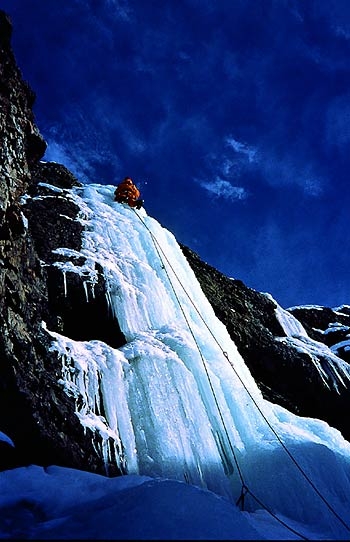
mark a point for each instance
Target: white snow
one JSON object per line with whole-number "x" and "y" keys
{"x": 333, "y": 370}
{"x": 290, "y": 325}
{"x": 307, "y": 307}
{"x": 181, "y": 410}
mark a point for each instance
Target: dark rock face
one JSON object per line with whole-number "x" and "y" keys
{"x": 284, "y": 374}
{"x": 37, "y": 216}
{"x": 52, "y": 224}
{"x": 34, "y": 410}
{"x": 53, "y": 174}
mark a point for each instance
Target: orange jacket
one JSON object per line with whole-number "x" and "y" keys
{"x": 127, "y": 192}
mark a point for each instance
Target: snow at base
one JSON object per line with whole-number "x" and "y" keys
{"x": 178, "y": 402}
{"x": 60, "y": 503}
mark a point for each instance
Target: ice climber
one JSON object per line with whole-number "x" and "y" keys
{"x": 126, "y": 192}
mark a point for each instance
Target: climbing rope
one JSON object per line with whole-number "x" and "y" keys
{"x": 244, "y": 489}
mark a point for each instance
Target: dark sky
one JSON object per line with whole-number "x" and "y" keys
{"x": 232, "y": 117}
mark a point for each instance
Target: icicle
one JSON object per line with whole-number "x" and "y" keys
{"x": 108, "y": 299}
{"x": 65, "y": 283}
{"x": 87, "y": 370}
{"x": 25, "y": 221}
{"x": 86, "y": 291}
{"x": 93, "y": 289}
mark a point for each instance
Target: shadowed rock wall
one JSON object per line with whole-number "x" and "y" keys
{"x": 34, "y": 410}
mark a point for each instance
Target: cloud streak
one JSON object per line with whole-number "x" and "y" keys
{"x": 219, "y": 188}
{"x": 241, "y": 148}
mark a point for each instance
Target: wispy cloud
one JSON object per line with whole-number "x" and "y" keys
{"x": 287, "y": 170}
{"x": 241, "y": 148}
{"x": 122, "y": 8}
{"x": 79, "y": 159}
{"x": 84, "y": 156}
{"x": 229, "y": 164}
{"x": 219, "y": 188}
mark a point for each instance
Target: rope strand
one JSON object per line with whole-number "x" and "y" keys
{"x": 244, "y": 489}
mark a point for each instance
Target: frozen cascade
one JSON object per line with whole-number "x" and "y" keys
{"x": 173, "y": 403}
{"x": 334, "y": 371}
{"x": 291, "y": 326}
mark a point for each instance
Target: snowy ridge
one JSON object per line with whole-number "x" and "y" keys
{"x": 332, "y": 369}
{"x": 170, "y": 403}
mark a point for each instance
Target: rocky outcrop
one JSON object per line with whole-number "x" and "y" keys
{"x": 38, "y": 216}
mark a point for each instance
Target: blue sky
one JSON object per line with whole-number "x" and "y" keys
{"x": 232, "y": 117}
